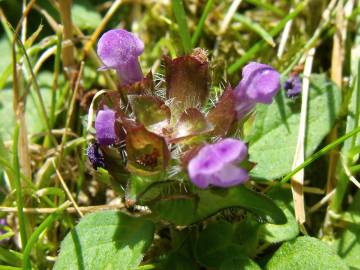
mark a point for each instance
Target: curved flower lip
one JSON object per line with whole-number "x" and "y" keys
{"x": 216, "y": 164}
{"x": 230, "y": 150}
{"x": 119, "y": 49}
{"x": 105, "y": 127}
{"x": 260, "y": 83}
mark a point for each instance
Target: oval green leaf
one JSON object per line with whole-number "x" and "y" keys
{"x": 106, "y": 240}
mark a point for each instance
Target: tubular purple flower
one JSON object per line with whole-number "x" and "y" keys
{"x": 259, "y": 84}
{"x": 119, "y": 50}
{"x": 105, "y": 127}
{"x": 293, "y": 86}
{"x": 217, "y": 164}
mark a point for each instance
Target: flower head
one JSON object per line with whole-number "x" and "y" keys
{"x": 119, "y": 50}
{"x": 260, "y": 83}
{"x": 105, "y": 127}
{"x": 216, "y": 164}
{"x": 293, "y": 86}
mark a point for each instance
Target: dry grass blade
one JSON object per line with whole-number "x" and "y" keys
{"x": 68, "y": 193}
{"x": 297, "y": 181}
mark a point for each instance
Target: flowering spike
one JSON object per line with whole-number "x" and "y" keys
{"x": 293, "y": 86}
{"x": 260, "y": 83}
{"x": 105, "y": 127}
{"x": 119, "y": 50}
{"x": 216, "y": 164}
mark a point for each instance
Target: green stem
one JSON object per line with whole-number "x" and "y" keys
{"x": 321, "y": 152}
{"x": 19, "y": 194}
{"x": 200, "y": 26}
{"x": 261, "y": 44}
{"x": 180, "y": 16}
{"x": 43, "y": 226}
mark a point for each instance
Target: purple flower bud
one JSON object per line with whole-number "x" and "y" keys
{"x": 95, "y": 156}
{"x": 293, "y": 86}
{"x": 216, "y": 164}
{"x": 105, "y": 127}
{"x": 260, "y": 83}
{"x": 119, "y": 49}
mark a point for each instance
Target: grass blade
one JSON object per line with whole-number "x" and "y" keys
{"x": 195, "y": 37}
{"x": 261, "y": 44}
{"x": 320, "y": 153}
{"x": 43, "y": 226}
{"x": 256, "y": 28}
{"x": 180, "y": 16}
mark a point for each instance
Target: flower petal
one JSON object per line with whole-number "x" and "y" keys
{"x": 230, "y": 150}
{"x": 205, "y": 162}
{"x": 105, "y": 127}
{"x": 260, "y": 83}
{"x": 119, "y": 49}
{"x": 229, "y": 175}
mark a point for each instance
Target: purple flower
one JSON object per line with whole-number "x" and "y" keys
{"x": 95, "y": 156}
{"x": 216, "y": 164}
{"x": 105, "y": 127}
{"x": 119, "y": 50}
{"x": 293, "y": 86}
{"x": 260, "y": 83}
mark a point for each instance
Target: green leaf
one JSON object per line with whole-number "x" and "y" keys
{"x": 274, "y": 156}
{"x": 347, "y": 243}
{"x": 272, "y": 233}
{"x": 305, "y": 253}
{"x": 106, "y": 240}
{"x": 185, "y": 209}
{"x": 11, "y": 257}
{"x": 246, "y": 234}
{"x": 217, "y": 247}
{"x": 348, "y": 246}
{"x": 239, "y": 262}
{"x": 176, "y": 261}
{"x": 214, "y": 244}
{"x": 84, "y": 15}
